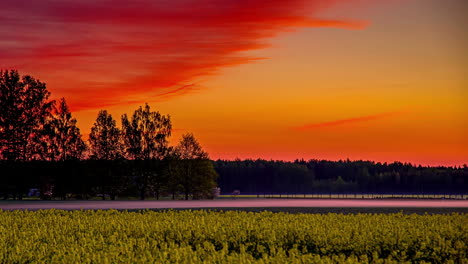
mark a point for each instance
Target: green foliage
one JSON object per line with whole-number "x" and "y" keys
{"x": 55, "y": 236}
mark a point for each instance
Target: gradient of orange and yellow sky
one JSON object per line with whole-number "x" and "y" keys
{"x": 387, "y": 82}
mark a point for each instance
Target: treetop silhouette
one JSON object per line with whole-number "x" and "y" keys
{"x": 145, "y": 135}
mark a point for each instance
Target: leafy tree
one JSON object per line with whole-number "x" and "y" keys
{"x": 156, "y": 180}
{"x": 145, "y": 137}
{"x": 62, "y": 139}
{"x": 204, "y": 179}
{"x": 24, "y": 107}
{"x": 196, "y": 173}
{"x": 146, "y": 134}
{"x": 172, "y": 170}
{"x": 189, "y": 148}
{"x": 71, "y": 144}
{"x": 106, "y": 146}
{"x": 104, "y": 139}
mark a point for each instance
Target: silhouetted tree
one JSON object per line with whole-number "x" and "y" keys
{"x": 157, "y": 179}
{"x": 24, "y": 106}
{"x": 64, "y": 139}
{"x": 189, "y": 148}
{"x": 204, "y": 178}
{"x": 106, "y": 146}
{"x": 104, "y": 139}
{"x": 145, "y": 138}
{"x": 196, "y": 173}
{"x": 172, "y": 170}
{"x": 60, "y": 140}
{"x": 145, "y": 135}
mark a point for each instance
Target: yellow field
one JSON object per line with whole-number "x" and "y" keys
{"x": 55, "y": 236}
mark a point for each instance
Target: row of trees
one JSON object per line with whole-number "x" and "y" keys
{"x": 82, "y": 179}
{"x": 34, "y": 128}
{"x": 320, "y": 176}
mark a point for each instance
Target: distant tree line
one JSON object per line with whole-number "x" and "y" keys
{"x": 322, "y": 177}
{"x": 41, "y": 147}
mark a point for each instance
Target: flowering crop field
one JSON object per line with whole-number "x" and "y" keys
{"x": 56, "y": 236}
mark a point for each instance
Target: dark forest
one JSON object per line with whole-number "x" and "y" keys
{"x": 321, "y": 176}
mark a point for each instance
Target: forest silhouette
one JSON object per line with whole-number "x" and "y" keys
{"x": 41, "y": 148}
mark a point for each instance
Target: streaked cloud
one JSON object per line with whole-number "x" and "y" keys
{"x": 102, "y": 53}
{"x": 347, "y": 121}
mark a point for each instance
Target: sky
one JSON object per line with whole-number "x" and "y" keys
{"x": 382, "y": 80}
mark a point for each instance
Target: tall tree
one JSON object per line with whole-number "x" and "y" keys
{"x": 146, "y": 134}
{"x": 196, "y": 173}
{"x": 62, "y": 139}
{"x": 189, "y": 148}
{"x": 24, "y": 107}
{"x": 67, "y": 134}
{"x": 104, "y": 139}
{"x": 172, "y": 171}
{"x": 106, "y": 145}
{"x": 145, "y": 137}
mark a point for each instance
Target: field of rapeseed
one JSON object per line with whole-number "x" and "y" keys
{"x": 56, "y": 236}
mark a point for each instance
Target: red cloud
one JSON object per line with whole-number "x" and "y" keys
{"x": 348, "y": 121}
{"x": 102, "y": 53}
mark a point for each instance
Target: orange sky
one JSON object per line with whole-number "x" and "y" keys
{"x": 377, "y": 80}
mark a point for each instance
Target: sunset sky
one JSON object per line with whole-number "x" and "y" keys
{"x": 381, "y": 80}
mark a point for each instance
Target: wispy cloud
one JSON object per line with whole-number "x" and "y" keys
{"x": 109, "y": 52}
{"x": 347, "y": 121}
